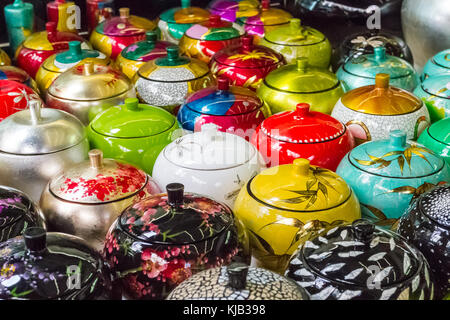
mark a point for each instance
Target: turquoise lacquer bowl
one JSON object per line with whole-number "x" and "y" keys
{"x": 435, "y": 93}
{"x": 437, "y": 138}
{"x": 360, "y": 71}
{"x": 440, "y": 63}
{"x": 386, "y": 175}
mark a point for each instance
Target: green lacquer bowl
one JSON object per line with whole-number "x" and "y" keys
{"x": 133, "y": 132}
{"x": 437, "y": 138}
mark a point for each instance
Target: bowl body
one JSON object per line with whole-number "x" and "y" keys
{"x": 434, "y": 138}
{"x": 112, "y": 46}
{"x": 435, "y": 93}
{"x": 438, "y": 64}
{"x": 14, "y": 97}
{"x": 204, "y": 49}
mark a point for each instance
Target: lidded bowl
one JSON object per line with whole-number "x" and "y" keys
{"x": 133, "y": 132}
{"x": 360, "y": 261}
{"x": 439, "y": 63}
{"x": 280, "y": 206}
{"x": 5, "y": 60}
{"x": 15, "y": 96}
{"x": 36, "y": 144}
{"x": 283, "y": 88}
{"x": 372, "y": 111}
{"x": 85, "y": 199}
{"x": 387, "y": 175}
{"x": 115, "y": 33}
{"x": 56, "y": 64}
{"x": 267, "y": 20}
{"x": 437, "y": 138}
{"x": 52, "y": 266}
{"x": 135, "y": 55}
{"x": 17, "y": 213}
{"x": 40, "y": 45}
{"x": 361, "y": 70}
{"x": 230, "y": 10}
{"x": 426, "y": 225}
{"x": 295, "y": 40}
{"x": 302, "y": 133}
{"x": 163, "y": 239}
{"x": 215, "y": 164}
{"x": 18, "y": 75}
{"x": 88, "y": 89}
{"x": 174, "y": 22}
{"x": 435, "y": 93}
{"x": 233, "y": 109}
{"x": 166, "y": 81}
{"x": 203, "y": 40}
{"x": 246, "y": 65}
{"x": 238, "y": 281}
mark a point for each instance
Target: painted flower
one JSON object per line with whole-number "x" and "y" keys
{"x": 177, "y": 271}
{"x": 135, "y": 286}
{"x": 152, "y": 264}
{"x": 111, "y": 243}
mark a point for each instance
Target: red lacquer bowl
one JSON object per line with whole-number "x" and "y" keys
{"x": 14, "y": 96}
{"x": 302, "y": 133}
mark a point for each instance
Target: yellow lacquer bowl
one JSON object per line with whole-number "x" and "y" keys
{"x": 285, "y": 205}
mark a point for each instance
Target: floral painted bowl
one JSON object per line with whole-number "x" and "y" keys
{"x": 203, "y": 40}
{"x": 435, "y": 93}
{"x": 230, "y": 10}
{"x": 135, "y": 55}
{"x": 162, "y": 240}
{"x": 283, "y": 205}
{"x": 295, "y": 41}
{"x": 387, "y": 175}
{"x": 361, "y": 71}
{"x": 437, "y": 138}
{"x": 233, "y": 109}
{"x": 372, "y": 111}
{"x": 283, "y": 88}
{"x": 246, "y": 65}
{"x": 360, "y": 261}
{"x": 15, "y": 96}
{"x": 440, "y": 63}
{"x": 174, "y": 22}
{"x": 18, "y": 75}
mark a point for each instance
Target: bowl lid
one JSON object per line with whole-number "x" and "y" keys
{"x": 248, "y": 55}
{"x": 89, "y": 81}
{"x": 299, "y": 77}
{"x": 302, "y": 126}
{"x": 133, "y": 120}
{"x": 437, "y": 86}
{"x": 14, "y": 74}
{"x": 40, "y": 265}
{"x": 442, "y": 59}
{"x": 98, "y": 181}
{"x": 146, "y": 50}
{"x": 241, "y": 8}
{"x": 368, "y": 65}
{"x": 173, "y": 68}
{"x": 381, "y": 99}
{"x": 395, "y": 158}
{"x": 209, "y": 149}
{"x": 14, "y": 206}
{"x": 39, "y": 131}
{"x": 294, "y": 34}
{"x": 267, "y": 17}
{"x": 52, "y": 39}
{"x": 176, "y": 217}
{"x": 299, "y": 187}
{"x": 185, "y": 14}
{"x": 440, "y": 131}
{"x": 125, "y": 25}
{"x": 223, "y": 100}
{"x": 435, "y": 204}
{"x": 342, "y": 255}
{"x": 237, "y": 281}
{"x": 213, "y": 29}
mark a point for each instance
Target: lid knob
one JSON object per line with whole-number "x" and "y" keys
{"x": 302, "y": 64}
{"x": 301, "y": 110}
{"x": 151, "y": 36}
{"x": 363, "y": 229}
{"x": 247, "y": 42}
{"x": 132, "y": 104}
{"x": 223, "y": 83}
{"x": 18, "y": 3}
{"x": 35, "y": 111}
{"x": 295, "y": 25}
{"x": 214, "y": 20}
{"x": 265, "y": 4}
{"x": 209, "y": 131}
{"x": 397, "y": 138}
{"x": 124, "y": 13}
{"x": 237, "y": 275}
{"x": 88, "y": 68}
{"x": 75, "y": 48}
{"x": 301, "y": 166}
{"x": 382, "y": 81}
{"x": 96, "y": 158}
{"x": 173, "y": 53}
{"x": 175, "y": 194}
{"x": 380, "y": 53}
{"x": 35, "y": 239}
{"x": 185, "y": 4}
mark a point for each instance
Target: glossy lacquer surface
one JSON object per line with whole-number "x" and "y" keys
{"x": 437, "y": 138}
{"x": 435, "y": 93}
{"x": 438, "y": 64}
